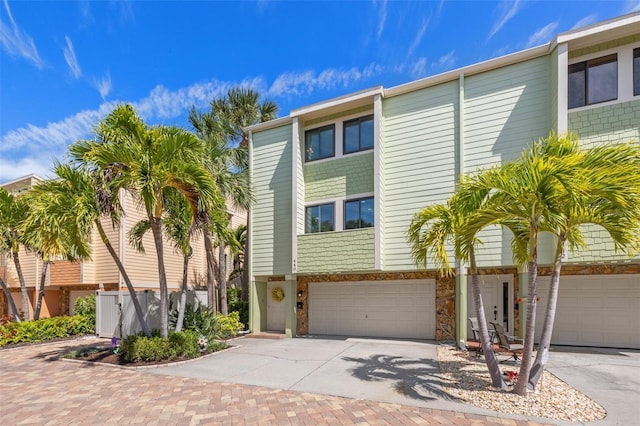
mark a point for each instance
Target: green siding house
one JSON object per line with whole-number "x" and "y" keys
{"x": 337, "y": 184}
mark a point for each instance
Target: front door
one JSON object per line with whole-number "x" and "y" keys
{"x": 275, "y": 307}
{"x": 497, "y": 298}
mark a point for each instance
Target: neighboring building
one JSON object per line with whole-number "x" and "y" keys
{"x": 66, "y": 281}
{"x": 337, "y": 184}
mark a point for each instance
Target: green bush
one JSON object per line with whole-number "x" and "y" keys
{"x": 45, "y": 329}
{"x": 86, "y": 306}
{"x": 235, "y": 304}
{"x": 228, "y": 326}
{"x": 198, "y": 319}
{"x": 179, "y": 345}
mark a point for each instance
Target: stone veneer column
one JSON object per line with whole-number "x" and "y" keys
{"x": 290, "y": 290}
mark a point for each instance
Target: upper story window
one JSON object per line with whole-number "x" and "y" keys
{"x": 358, "y": 213}
{"x": 593, "y": 81}
{"x": 319, "y": 143}
{"x": 319, "y": 218}
{"x": 636, "y": 71}
{"x": 358, "y": 134}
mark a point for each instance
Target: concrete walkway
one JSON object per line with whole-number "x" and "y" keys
{"x": 36, "y": 388}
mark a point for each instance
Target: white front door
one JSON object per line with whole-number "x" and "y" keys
{"x": 275, "y": 308}
{"x": 497, "y": 298}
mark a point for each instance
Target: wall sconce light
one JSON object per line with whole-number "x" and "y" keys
{"x": 300, "y": 293}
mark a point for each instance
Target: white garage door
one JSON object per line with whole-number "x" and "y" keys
{"x": 594, "y": 310}
{"x": 401, "y": 309}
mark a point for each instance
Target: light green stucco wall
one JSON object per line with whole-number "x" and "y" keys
{"x": 271, "y": 214}
{"x": 505, "y": 109}
{"x": 595, "y": 126}
{"x": 418, "y": 139}
{"x": 334, "y": 252}
{"x": 604, "y": 46}
{"x": 338, "y": 177}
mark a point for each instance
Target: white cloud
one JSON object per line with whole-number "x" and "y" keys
{"x": 510, "y": 10}
{"x": 87, "y": 18}
{"x": 542, "y": 35}
{"x": 16, "y": 42}
{"x": 419, "y": 36}
{"x": 419, "y": 68}
{"x": 104, "y": 85}
{"x": 445, "y": 62}
{"x": 632, "y": 6}
{"x": 294, "y": 84}
{"x": 72, "y": 60}
{"x": 587, "y": 20}
{"x": 382, "y": 17}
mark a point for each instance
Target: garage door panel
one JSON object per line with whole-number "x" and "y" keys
{"x": 376, "y": 308}
{"x": 595, "y": 310}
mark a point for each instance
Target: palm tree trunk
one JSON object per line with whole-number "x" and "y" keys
{"x": 222, "y": 277}
{"x": 487, "y": 346}
{"x": 245, "y": 270}
{"x": 23, "y": 286}
{"x": 10, "y": 301}
{"x": 156, "y": 228}
{"x": 125, "y": 277}
{"x": 183, "y": 293}
{"x": 211, "y": 285}
{"x": 520, "y": 387}
{"x": 43, "y": 277}
{"x": 547, "y": 328}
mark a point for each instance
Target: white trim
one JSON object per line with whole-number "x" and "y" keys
{"x": 598, "y": 28}
{"x": 338, "y": 209}
{"x": 562, "y": 87}
{"x": 461, "y": 103}
{"x": 249, "y": 258}
{"x": 269, "y": 124}
{"x": 295, "y": 139}
{"x": 123, "y": 234}
{"x": 377, "y": 179}
{"x": 30, "y": 177}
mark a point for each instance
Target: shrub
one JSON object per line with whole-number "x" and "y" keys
{"x": 179, "y": 345}
{"x": 86, "y": 306}
{"x": 228, "y": 326}
{"x": 45, "y": 329}
{"x": 235, "y": 304}
{"x": 198, "y": 319}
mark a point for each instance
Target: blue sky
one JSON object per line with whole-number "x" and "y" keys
{"x": 65, "y": 65}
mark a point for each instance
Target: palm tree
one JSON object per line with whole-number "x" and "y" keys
{"x": 13, "y": 211}
{"x": 610, "y": 199}
{"x": 239, "y": 237}
{"x": 153, "y": 164}
{"x": 51, "y": 232}
{"x": 12, "y": 304}
{"x": 223, "y": 129}
{"x": 78, "y": 202}
{"x": 430, "y": 232}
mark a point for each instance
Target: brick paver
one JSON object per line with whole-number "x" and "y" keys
{"x": 38, "y": 389}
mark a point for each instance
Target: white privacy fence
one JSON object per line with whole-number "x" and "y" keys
{"x": 116, "y": 315}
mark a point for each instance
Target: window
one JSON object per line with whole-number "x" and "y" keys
{"x": 593, "y": 81}
{"x": 636, "y": 71}
{"x": 358, "y": 134}
{"x": 358, "y": 213}
{"x": 319, "y": 143}
{"x": 319, "y": 218}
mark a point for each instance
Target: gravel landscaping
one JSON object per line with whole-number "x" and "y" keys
{"x": 466, "y": 378}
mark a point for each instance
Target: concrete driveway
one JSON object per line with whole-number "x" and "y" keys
{"x": 404, "y": 372}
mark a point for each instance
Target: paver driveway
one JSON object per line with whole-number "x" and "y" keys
{"x": 38, "y": 389}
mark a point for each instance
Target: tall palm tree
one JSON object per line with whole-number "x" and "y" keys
{"x": 610, "y": 199}
{"x": 223, "y": 129}
{"x": 11, "y": 303}
{"x": 79, "y": 201}
{"x": 13, "y": 211}
{"x": 435, "y": 227}
{"x": 152, "y": 163}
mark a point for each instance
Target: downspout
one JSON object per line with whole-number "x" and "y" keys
{"x": 377, "y": 181}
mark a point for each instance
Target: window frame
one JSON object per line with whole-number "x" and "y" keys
{"x": 635, "y": 58}
{"x": 306, "y": 217}
{"x": 318, "y": 130}
{"x": 358, "y": 120}
{"x": 359, "y": 200}
{"x": 584, "y": 67}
